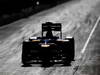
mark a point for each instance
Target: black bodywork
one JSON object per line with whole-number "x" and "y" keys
{"x": 48, "y": 49}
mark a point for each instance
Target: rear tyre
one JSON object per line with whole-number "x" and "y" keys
{"x": 70, "y": 48}
{"x": 25, "y": 50}
{"x": 26, "y": 65}
{"x": 67, "y": 63}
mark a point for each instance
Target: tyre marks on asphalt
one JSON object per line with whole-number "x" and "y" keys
{"x": 89, "y": 38}
{"x": 85, "y": 45}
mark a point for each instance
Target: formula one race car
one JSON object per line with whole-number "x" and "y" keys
{"x": 48, "y": 49}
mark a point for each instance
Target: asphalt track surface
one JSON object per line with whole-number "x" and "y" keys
{"x": 90, "y": 54}
{"x": 12, "y": 36}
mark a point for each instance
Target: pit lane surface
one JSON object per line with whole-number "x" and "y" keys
{"x": 77, "y": 23}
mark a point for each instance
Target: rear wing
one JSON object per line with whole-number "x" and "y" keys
{"x": 53, "y": 26}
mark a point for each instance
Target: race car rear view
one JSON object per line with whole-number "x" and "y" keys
{"x": 48, "y": 49}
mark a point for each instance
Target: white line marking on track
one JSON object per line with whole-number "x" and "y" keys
{"x": 84, "y": 48}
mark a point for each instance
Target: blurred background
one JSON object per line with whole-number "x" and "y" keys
{"x": 12, "y": 10}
